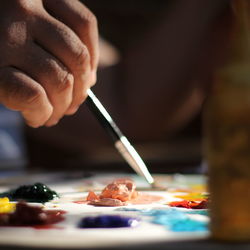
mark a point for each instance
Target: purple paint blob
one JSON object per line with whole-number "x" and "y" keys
{"x": 107, "y": 221}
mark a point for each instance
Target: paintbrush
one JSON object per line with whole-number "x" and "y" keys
{"x": 121, "y": 143}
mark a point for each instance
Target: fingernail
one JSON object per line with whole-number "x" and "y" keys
{"x": 87, "y": 76}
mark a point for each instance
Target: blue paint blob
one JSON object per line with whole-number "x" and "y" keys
{"x": 176, "y": 220}
{"x": 189, "y": 225}
{"x": 179, "y": 221}
{"x": 201, "y": 212}
{"x": 107, "y": 221}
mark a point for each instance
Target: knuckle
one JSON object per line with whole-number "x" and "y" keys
{"x": 87, "y": 23}
{"x": 90, "y": 19}
{"x": 67, "y": 83}
{"x": 50, "y": 67}
{"x": 34, "y": 95}
{"x": 14, "y": 35}
{"x": 86, "y": 19}
{"x": 55, "y": 73}
{"x": 24, "y": 7}
{"x": 83, "y": 55}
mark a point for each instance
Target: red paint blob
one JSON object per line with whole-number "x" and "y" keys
{"x": 190, "y": 204}
{"x": 26, "y": 215}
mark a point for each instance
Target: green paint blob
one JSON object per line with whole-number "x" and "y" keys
{"x": 37, "y": 192}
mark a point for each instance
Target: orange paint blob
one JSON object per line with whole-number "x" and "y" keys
{"x": 92, "y": 196}
{"x": 120, "y": 193}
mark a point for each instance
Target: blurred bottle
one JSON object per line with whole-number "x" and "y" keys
{"x": 227, "y": 134}
{"x": 12, "y": 146}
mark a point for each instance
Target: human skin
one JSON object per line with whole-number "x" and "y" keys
{"x": 49, "y": 56}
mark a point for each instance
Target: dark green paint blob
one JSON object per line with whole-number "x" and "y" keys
{"x": 37, "y": 192}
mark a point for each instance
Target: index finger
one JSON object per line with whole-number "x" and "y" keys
{"x": 81, "y": 20}
{"x": 21, "y": 93}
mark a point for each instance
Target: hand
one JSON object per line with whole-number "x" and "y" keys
{"x": 49, "y": 57}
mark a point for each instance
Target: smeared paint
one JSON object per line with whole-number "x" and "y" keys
{"x": 37, "y": 192}
{"x": 107, "y": 202}
{"x": 145, "y": 199}
{"x": 81, "y": 201}
{"x": 187, "y": 183}
{"x": 203, "y": 204}
{"x": 26, "y": 215}
{"x": 6, "y": 206}
{"x": 108, "y": 221}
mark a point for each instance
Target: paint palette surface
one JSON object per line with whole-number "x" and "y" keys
{"x": 154, "y": 219}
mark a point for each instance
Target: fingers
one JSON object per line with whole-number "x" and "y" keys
{"x": 47, "y": 65}
{"x": 19, "y": 92}
{"x": 62, "y": 42}
{"x": 82, "y": 21}
{"x": 52, "y": 75}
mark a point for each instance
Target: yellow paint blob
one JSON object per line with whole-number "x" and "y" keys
{"x": 193, "y": 196}
{"x": 199, "y": 188}
{"x": 6, "y": 206}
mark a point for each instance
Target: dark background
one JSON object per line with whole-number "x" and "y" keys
{"x": 155, "y": 93}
